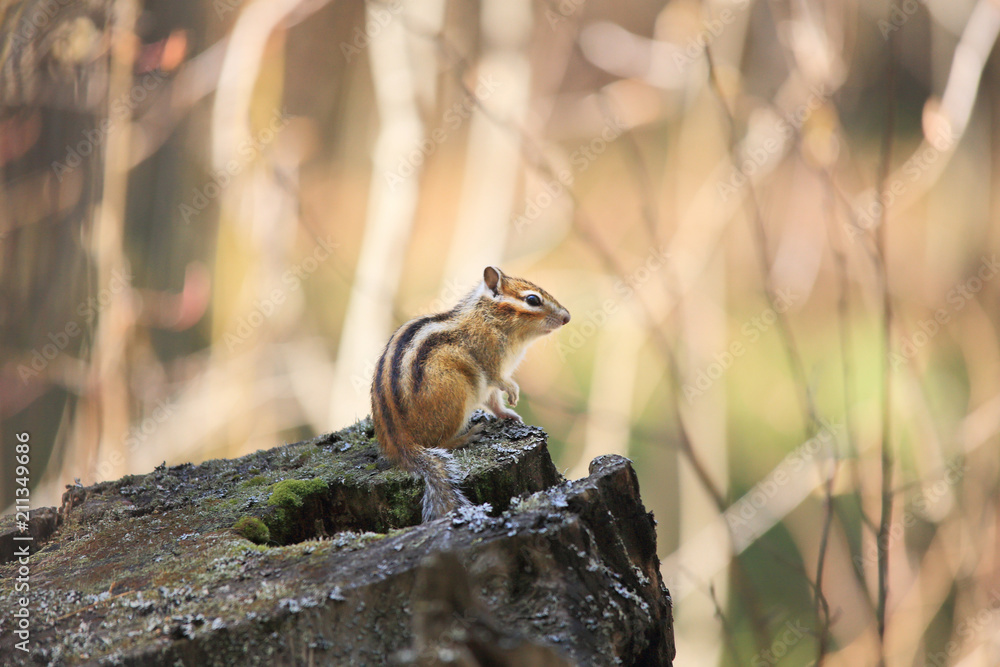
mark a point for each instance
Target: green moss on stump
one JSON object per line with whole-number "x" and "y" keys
{"x": 288, "y": 498}
{"x": 291, "y": 493}
{"x": 253, "y": 529}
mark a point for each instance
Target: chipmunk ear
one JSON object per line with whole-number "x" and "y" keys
{"x": 491, "y": 276}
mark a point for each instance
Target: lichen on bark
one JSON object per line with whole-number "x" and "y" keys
{"x": 151, "y": 570}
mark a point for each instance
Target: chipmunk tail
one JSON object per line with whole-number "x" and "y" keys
{"x": 437, "y": 468}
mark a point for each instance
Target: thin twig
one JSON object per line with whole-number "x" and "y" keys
{"x": 614, "y": 267}
{"x": 811, "y": 418}
{"x": 727, "y": 628}
{"x": 843, "y": 321}
{"x": 843, "y": 318}
{"x": 640, "y": 172}
{"x": 885, "y": 165}
{"x": 822, "y": 604}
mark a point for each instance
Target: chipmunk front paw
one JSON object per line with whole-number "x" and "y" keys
{"x": 513, "y": 392}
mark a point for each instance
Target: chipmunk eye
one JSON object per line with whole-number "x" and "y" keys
{"x": 533, "y": 300}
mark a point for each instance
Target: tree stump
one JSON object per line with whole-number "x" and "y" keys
{"x": 312, "y": 553}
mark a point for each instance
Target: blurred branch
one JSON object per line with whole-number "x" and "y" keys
{"x": 392, "y": 205}
{"x": 810, "y": 414}
{"x": 971, "y": 54}
{"x": 843, "y": 326}
{"x": 607, "y": 257}
{"x": 811, "y": 419}
{"x": 727, "y": 628}
{"x": 489, "y": 185}
{"x": 742, "y": 580}
{"x": 244, "y": 53}
{"x": 887, "y": 456}
{"x": 108, "y": 394}
{"x": 195, "y": 80}
{"x": 640, "y": 172}
{"x": 822, "y": 605}
{"x": 945, "y": 120}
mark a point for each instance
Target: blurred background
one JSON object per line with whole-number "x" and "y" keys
{"x": 774, "y": 223}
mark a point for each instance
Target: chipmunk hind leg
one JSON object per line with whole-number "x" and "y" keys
{"x": 466, "y": 438}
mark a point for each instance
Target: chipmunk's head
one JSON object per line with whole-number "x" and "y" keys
{"x": 530, "y": 308}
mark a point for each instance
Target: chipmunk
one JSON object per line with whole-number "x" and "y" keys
{"x": 436, "y": 370}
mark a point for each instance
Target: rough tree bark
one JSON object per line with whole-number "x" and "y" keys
{"x": 311, "y": 553}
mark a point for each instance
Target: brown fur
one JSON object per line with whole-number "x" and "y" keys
{"x": 436, "y": 370}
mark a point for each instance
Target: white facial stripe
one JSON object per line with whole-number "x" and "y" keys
{"x": 514, "y": 300}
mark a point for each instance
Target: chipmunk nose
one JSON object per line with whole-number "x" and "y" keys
{"x": 566, "y": 317}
